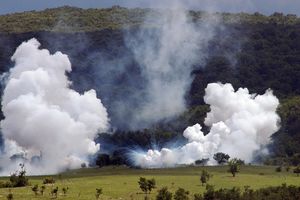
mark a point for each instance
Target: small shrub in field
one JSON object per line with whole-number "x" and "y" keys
{"x": 49, "y": 180}
{"x": 10, "y": 196}
{"x": 54, "y": 192}
{"x": 42, "y": 190}
{"x": 234, "y": 166}
{"x": 65, "y": 190}
{"x": 164, "y": 194}
{"x": 35, "y": 189}
{"x": 5, "y": 184}
{"x": 278, "y": 169}
{"x": 98, "y": 193}
{"x": 198, "y": 197}
{"x": 204, "y": 177}
{"x": 297, "y": 170}
{"x": 19, "y": 179}
{"x": 147, "y": 185}
{"x": 181, "y": 194}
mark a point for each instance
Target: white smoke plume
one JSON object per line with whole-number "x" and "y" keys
{"x": 166, "y": 54}
{"x": 51, "y": 125}
{"x": 241, "y": 124}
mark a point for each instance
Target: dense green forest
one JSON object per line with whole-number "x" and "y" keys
{"x": 255, "y": 51}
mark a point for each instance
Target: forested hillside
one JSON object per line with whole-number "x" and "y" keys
{"x": 254, "y": 51}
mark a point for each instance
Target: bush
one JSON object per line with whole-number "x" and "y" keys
{"x": 19, "y": 179}
{"x": 35, "y": 189}
{"x": 49, "y": 180}
{"x": 54, "y": 192}
{"x": 98, "y": 193}
{"x": 65, "y": 190}
{"x": 297, "y": 170}
{"x": 181, "y": 194}
{"x": 198, "y": 197}
{"x": 278, "y": 169}
{"x": 42, "y": 190}
{"x": 164, "y": 194}
{"x": 10, "y": 196}
{"x": 204, "y": 177}
{"x": 146, "y": 185}
{"x": 234, "y": 166}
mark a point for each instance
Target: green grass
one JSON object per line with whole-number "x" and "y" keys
{"x": 121, "y": 182}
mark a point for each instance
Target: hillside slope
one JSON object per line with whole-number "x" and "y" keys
{"x": 255, "y": 51}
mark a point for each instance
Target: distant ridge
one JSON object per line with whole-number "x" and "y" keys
{"x": 73, "y": 19}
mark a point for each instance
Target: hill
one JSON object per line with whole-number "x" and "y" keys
{"x": 72, "y": 19}
{"x": 253, "y": 51}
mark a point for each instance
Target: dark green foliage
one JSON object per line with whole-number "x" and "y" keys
{"x": 297, "y": 170}
{"x": 10, "y": 196}
{"x": 102, "y": 160}
{"x": 19, "y": 179}
{"x": 42, "y": 190}
{"x": 204, "y": 177}
{"x": 98, "y": 193}
{"x": 198, "y": 197}
{"x": 54, "y": 192}
{"x": 143, "y": 184}
{"x": 181, "y": 194}
{"x": 270, "y": 193}
{"x": 151, "y": 184}
{"x": 221, "y": 158}
{"x": 49, "y": 180}
{"x": 35, "y": 189}
{"x": 164, "y": 194}
{"x": 234, "y": 166}
{"x": 278, "y": 169}
{"x": 65, "y": 190}
{"x": 146, "y": 185}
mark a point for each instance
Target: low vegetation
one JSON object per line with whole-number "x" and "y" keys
{"x": 176, "y": 183}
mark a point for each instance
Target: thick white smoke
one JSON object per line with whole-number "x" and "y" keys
{"x": 51, "y": 125}
{"x": 166, "y": 55}
{"x": 241, "y": 124}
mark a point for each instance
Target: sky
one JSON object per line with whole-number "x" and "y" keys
{"x": 266, "y": 7}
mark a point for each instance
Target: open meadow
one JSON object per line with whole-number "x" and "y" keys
{"x": 122, "y": 182}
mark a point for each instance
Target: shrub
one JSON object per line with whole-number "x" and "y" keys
{"x": 35, "y": 189}
{"x": 204, "y": 177}
{"x": 234, "y": 166}
{"x": 42, "y": 190}
{"x": 278, "y": 169}
{"x": 19, "y": 179}
{"x": 10, "y": 196}
{"x": 146, "y": 184}
{"x": 98, "y": 193}
{"x": 65, "y": 190}
{"x": 297, "y": 170}
{"x": 198, "y": 197}
{"x": 49, "y": 180}
{"x": 164, "y": 194}
{"x": 181, "y": 194}
{"x": 54, "y": 192}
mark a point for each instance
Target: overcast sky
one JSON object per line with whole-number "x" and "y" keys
{"x": 264, "y": 6}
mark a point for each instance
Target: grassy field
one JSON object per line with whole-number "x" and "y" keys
{"x": 121, "y": 182}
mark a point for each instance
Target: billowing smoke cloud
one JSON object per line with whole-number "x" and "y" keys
{"x": 166, "y": 55}
{"x": 153, "y": 64}
{"x": 49, "y": 125}
{"x": 241, "y": 124}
